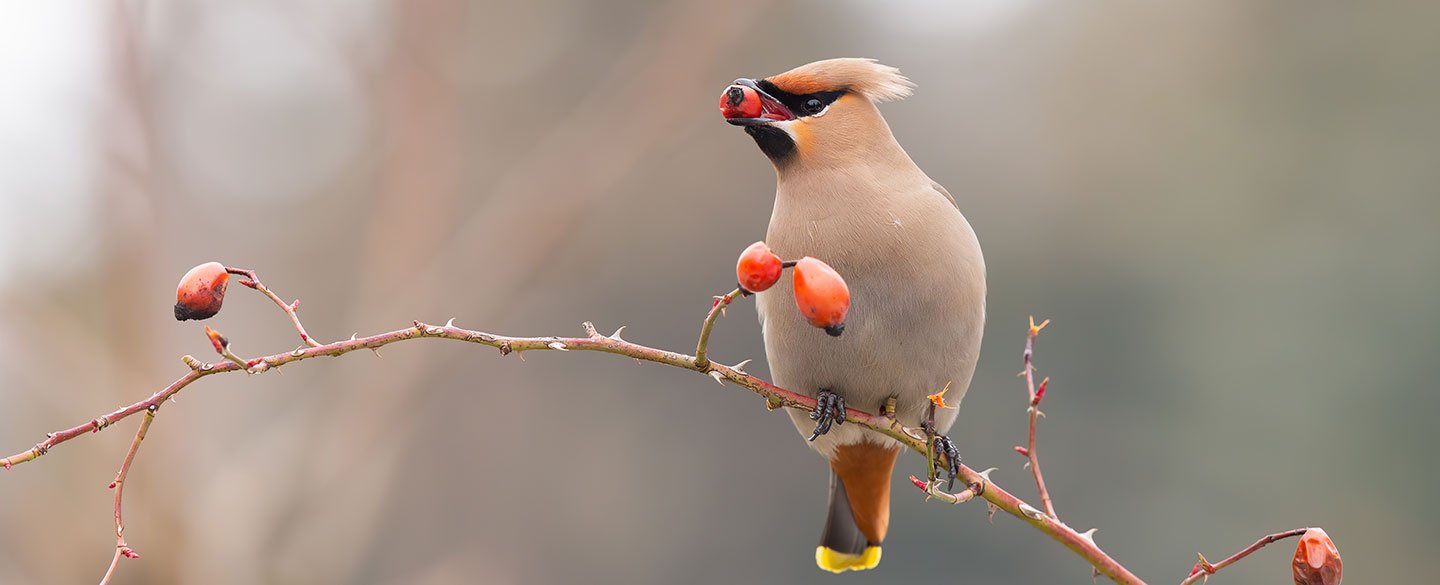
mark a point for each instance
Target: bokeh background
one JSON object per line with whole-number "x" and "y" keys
{"x": 1228, "y": 209}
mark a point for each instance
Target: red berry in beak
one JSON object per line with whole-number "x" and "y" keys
{"x": 201, "y": 292}
{"x": 821, "y": 295}
{"x": 758, "y": 268}
{"x": 739, "y": 101}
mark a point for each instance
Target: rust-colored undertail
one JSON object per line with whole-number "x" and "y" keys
{"x": 859, "y": 507}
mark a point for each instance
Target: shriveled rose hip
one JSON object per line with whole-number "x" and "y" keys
{"x": 821, "y": 295}
{"x": 1317, "y": 561}
{"x": 758, "y": 268}
{"x": 201, "y": 292}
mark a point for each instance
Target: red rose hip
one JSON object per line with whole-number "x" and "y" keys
{"x": 821, "y": 295}
{"x": 739, "y": 101}
{"x": 758, "y": 268}
{"x": 201, "y": 292}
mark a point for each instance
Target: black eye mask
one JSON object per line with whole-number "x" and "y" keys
{"x": 802, "y": 105}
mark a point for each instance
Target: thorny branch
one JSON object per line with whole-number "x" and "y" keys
{"x": 121, "y": 548}
{"x": 977, "y": 482}
{"x": 1204, "y": 569}
{"x": 716, "y": 310}
{"x": 252, "y": 281}
{"x": 1036, "y": 395}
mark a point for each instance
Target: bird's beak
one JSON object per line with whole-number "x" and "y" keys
{"x": 745, "y": 104}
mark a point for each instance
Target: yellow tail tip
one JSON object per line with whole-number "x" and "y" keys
{"x": 839, "y": 562}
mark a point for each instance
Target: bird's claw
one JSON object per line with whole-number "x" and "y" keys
{"x": 829, "y": 409}
{"x": 943, "y": 444}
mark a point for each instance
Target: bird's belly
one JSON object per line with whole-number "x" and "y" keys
{"x": 905, "y": 337}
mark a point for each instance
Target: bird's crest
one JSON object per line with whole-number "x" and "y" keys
{"x": 880, "y": 83}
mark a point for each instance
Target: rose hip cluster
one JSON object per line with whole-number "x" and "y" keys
{"x": 820, "y": 292}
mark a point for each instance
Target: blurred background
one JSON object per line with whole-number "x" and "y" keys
{"x": 1227, "y": 208}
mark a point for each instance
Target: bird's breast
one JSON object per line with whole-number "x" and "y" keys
{"x": 917, "y": 284}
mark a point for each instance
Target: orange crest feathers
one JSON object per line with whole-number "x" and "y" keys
{"x": 880, "y": 83}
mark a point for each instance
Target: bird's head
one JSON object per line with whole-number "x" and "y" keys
{"x": 816, "y": 114}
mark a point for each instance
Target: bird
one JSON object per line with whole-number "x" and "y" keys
{"x": 849, "y": 195}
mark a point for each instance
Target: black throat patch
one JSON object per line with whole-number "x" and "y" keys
{"x": 774, "y": 142}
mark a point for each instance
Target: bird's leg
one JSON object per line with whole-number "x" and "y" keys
{"x": 829, "y": 409}
{"x": 942, "y": 444}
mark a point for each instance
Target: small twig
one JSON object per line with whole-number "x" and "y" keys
{"x": 121, "y": 548}
{"x": 702, "y": 361}
{"x": 932, "y": 490}
{"x": 253, "y": 281}
{"x": 1036, "y": 395}
{"x": 1204, "y": 568}
{"x": 932, "y": 463}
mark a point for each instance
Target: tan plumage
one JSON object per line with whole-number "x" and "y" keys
{"x": 848, "y": 194}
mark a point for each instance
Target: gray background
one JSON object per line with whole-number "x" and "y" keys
{"x": 1227, "y": 208}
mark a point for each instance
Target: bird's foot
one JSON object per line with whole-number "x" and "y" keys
{"x": 941, "y": 444}
{"x": 829, "y": 409}
{"x": 952, "y": 457}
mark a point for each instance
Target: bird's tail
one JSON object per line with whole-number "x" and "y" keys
{"x": 859, "y": 508}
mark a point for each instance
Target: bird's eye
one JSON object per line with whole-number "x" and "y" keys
{"x": 814, "y": 105}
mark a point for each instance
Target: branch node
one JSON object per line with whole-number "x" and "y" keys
{"x": 192, "y": 363}
{"x": 1030, "y": 512}
{"x": 590, "y": 330}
